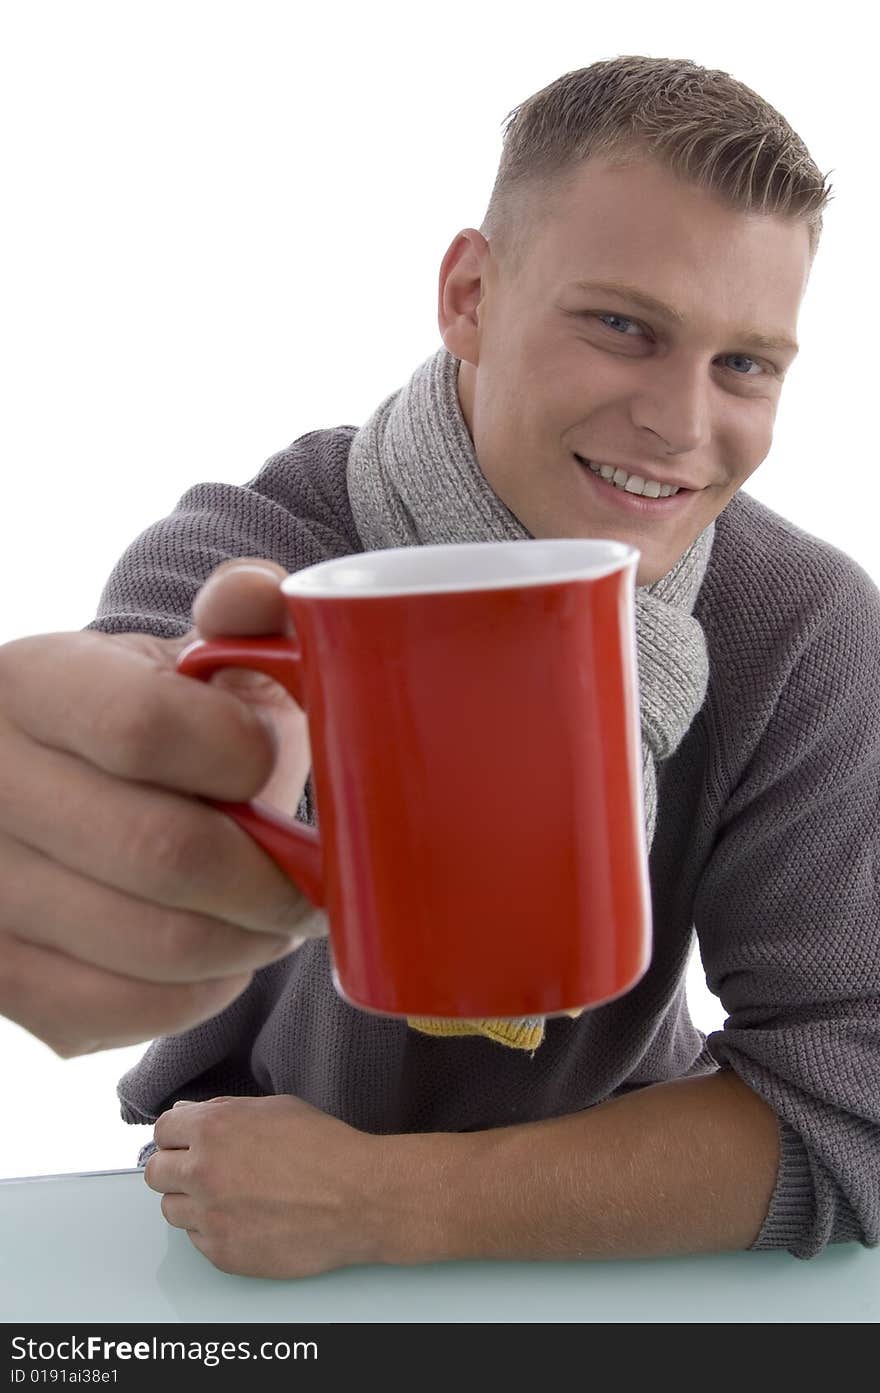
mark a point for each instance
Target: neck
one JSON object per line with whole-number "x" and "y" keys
{"x": 466, "y": 383}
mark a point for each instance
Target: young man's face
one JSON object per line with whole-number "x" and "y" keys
{"x": 553, "y": 374}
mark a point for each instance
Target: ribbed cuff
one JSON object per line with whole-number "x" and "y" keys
{"x": 791, "y": 1215}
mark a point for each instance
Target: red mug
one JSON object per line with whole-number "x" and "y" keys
{"x": 476, "y": 764}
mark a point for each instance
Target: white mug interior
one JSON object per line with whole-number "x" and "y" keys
{"x": 464, "y": 566}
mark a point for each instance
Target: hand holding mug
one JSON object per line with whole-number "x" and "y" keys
{"x": 129, "y": 907}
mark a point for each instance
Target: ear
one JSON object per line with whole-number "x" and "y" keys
{"x": 461, "y": 292}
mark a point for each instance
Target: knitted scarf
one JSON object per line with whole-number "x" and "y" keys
{"x": 414, "y": 480}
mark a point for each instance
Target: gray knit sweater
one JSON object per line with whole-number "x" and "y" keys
{"x": 767, "y": 845}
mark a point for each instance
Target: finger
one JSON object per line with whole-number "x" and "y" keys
{"x": 46, "y": 904}
{"x": 179, "y": 1212}
{"x": 192, "y": 1103}
{"x": 147, "y": 842}
{"x": 116, "y": 701}
{"x": 76, "y": 1009}
{"x": 166, "y": 1172}
{"x": 242, "y": 597}
{"x": 175, "y": 1128}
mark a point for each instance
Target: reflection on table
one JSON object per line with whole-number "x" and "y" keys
{"x": 97, "y": 1247}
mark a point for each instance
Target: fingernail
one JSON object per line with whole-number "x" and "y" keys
{"x": 257, "y": 570}
{"x": 184, "y": 1103}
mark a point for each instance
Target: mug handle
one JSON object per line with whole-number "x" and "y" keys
{"x": 294, "y": 846}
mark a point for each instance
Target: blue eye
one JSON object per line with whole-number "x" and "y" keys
{"x": 621, "y": 318}
{"x": 743, "y": 359}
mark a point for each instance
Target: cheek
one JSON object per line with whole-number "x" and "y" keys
{"x": 532, "y": 369}
{"x": 751, "y": 438}
{"x": 509, "y": 406}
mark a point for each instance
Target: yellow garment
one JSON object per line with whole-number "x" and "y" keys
{"x": 516, "y": 1034}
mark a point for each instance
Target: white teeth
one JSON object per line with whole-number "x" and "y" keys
{"x": 633, "y": 483}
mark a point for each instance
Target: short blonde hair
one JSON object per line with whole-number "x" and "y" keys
{"x": 697, "y": 122}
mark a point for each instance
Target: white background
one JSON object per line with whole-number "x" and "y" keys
{"x": 223, "y": 225}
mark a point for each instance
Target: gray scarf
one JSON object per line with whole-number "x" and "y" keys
{"x": 414, "y": 480}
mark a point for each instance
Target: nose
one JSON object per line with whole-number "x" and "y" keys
{"x": 672, "y": 402}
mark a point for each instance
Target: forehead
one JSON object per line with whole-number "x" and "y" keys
{"x": 643, "y": 225}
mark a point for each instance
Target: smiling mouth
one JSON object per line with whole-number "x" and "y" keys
{"x": 632, "y": 484}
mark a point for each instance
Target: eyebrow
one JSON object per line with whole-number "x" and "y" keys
{"x": 747, "y": 337}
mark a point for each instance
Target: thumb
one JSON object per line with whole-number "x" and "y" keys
{"x": 242, "y": 597}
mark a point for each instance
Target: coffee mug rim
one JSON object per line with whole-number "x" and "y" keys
{"x": 616, "y": 556}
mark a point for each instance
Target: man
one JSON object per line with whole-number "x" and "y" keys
{"x": 621, "y": 327}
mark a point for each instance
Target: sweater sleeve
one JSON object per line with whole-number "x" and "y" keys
{"x": 788, "y": 918}
{"x": 295, "y": 512}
